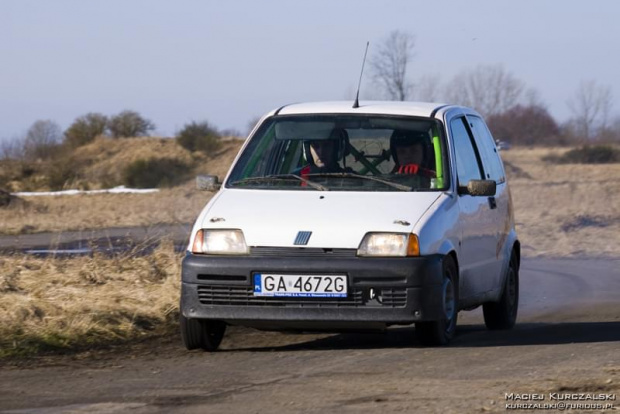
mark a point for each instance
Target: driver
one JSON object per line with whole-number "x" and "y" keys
{"x": 323, "y": 154}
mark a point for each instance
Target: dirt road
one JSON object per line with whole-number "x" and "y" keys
{"x": 567, "y": 341}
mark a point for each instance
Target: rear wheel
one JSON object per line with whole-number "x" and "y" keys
{"x": 202, "y": 333}
{"x": 442, "y": 331}
{"x": 503, "y": 314}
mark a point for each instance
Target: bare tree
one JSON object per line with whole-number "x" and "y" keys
{"x": 488, "y": 88}
{"x": 590, "y": 106}
{"x": 390, "y": 63}
{"x": 42, "y": 139}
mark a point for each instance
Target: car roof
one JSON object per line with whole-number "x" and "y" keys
{"x": 422, "y": 109}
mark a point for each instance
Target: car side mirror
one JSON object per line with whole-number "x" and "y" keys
{"x": 479, "y": 188}
{"x": 208, "y": 183}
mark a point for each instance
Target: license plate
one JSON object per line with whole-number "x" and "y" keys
{"x": 308, "y": 286}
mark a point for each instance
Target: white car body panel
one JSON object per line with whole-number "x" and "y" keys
{"x": 336, "y": 219}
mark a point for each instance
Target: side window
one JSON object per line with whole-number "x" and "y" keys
{"x": 484, "y": 141}
{"x": 467, "y": 167}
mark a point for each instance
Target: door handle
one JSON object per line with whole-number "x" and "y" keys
{"x": 492, "y": 203}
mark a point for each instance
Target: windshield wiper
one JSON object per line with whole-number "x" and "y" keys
{"x": 283, "y": 177}
{"x": 363, "y": 177}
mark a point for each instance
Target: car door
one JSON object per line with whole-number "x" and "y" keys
{"x": 477, "y": 230}
{"x": 499, "y": 204}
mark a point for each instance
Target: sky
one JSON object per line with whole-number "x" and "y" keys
{"x": 230, "y": 62}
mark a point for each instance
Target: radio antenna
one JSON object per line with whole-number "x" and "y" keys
{"x": 356, "y": 104}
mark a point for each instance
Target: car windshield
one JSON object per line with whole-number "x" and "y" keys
{"x": 344, "y": 153}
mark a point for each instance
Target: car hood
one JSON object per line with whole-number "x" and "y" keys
{"x": 336, "y": 219}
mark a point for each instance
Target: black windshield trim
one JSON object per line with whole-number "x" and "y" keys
{"x": 420, "y": 118}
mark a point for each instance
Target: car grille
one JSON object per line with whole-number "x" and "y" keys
{"x": 301, "y": 252}
{"x": 244, "y": 296}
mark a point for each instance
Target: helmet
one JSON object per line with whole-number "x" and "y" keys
{"x": 406, "y": 138}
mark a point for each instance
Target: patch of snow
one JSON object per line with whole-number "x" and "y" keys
{"x": 116, "y": 190}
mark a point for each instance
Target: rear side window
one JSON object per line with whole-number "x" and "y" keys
{"x": 466, "y": 162}
{"x": 488, "y": 152}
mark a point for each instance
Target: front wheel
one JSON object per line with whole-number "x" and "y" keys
{"x": 503, "y": 314}
{"x": 205, "y": 334}
{"x": 441, "y": 332}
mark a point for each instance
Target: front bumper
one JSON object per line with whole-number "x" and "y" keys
{"x": 406, "y": 290}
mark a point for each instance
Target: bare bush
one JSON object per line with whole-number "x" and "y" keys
{"x": 587, "y": 154}
{"x": 155, "y": 172}
{"x": 199, "y": 136}
{"x": 129, "y": 124}
{"x": 525, "y": 125}
{"x": 488, "y": 88}
{"x": 610, "y": 134}
{"x": 12, "y": 148}
{"x": 85, "y": 129}
{"x": 63, "y": 172}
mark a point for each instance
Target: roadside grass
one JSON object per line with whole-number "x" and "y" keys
{"x": 80, "y": 212}
{"x": 587, "y": 154}
{"x": 564, "y": 210}
{"x": 72, "y": 304}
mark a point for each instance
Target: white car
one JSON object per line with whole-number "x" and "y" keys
{"x": 335, "y": 217}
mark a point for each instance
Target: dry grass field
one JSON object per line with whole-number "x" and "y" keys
{"x": 53, "y": 304}
{"x": 179, "y": 204}
{"x": 62, "y": 213}
{"x": 566, "y": 209}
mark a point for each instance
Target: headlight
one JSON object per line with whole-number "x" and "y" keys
{"x": 219, "y": 242}
{"x": 389, "y": 245}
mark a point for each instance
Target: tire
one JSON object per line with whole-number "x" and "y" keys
{"x": 441, "y": 332}
{"x": 205, "y": 334}
{"x": 503, "y": 314}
